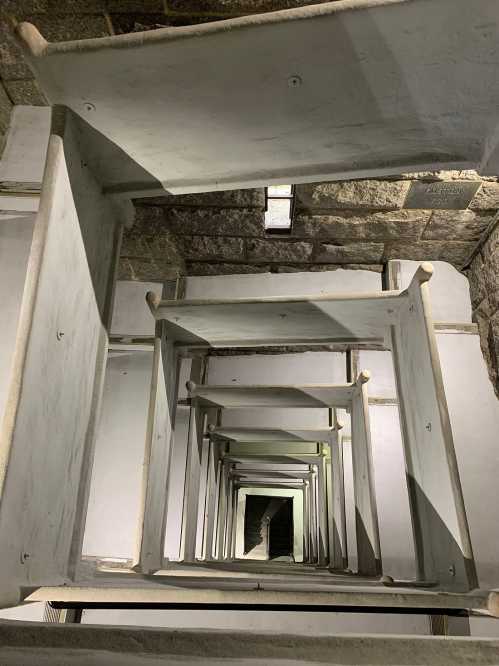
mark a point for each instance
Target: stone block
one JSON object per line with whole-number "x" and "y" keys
{"x": 375, "y": 268}
{"x": 251, "y": 198}
{"x": 277, "y": 250}
{"x": 5, "y": 110}
{"x": 476, "y": 278}
{"x": 489, "y": 342}
{"x": 206, "y": 268}
{"x": 483, "y": 323}
{"x": 12, "y": 65}
{"x": 465, "y": 225}
{"x": 352, "y": 194}
{"x": 321, "y": 268}
{"x": 492, "y": 243}
{"x": 161, "y": 245}
{"x": 65, "y": 27}
{"x": 212, "y": 248}
{"x": 215, "y": 221}
{"x": 455, "y": 253}
{"x": 125, "y": 23}
{"x": 20, "y": 8}
{"x": 135, "y": 6}
{"x": 353, "y": 225}
{"x": 25, "y": 92}
{"x": 487, "y": 197}
{"x": 354, "y": 253}
{"x": 77, "y": 6}
{"x": 491, "y": 276}
{"x": 235, "y": 7}
{"x": 148, "y": 270}
{"x": 434, "y": 176}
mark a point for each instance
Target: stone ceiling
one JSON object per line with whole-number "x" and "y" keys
{"x": 353, "y": 223}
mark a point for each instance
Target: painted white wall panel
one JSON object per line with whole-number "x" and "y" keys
{"x": 304, "y": 368}
{"x": 449, "y": 291}
{"x": 474, "y": 413}
{"x": 117, "y": 472}
{"x": 380, "y": 365}
{"x": 15, "y": 244}
{"x": 397, "y": 546}
{"x": 131, "y": 315}
{"x": 23, "y": 158}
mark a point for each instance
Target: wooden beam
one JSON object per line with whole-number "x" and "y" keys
{"x": 338, "y": 552}
{"x": 241, "y": 590}
{"x": 48, "y": 431}
{"x": 210, "y": 501}
{"x": 239, "y": 396}
{"x": 256, "y": 435}
{"x": 195, "y": 438}
{"x": 151, "y": 527}
{"x": 279, "y": 320}
{"x": 322, "y": 517}
{"x": 442, "y": 540}
{"x": 222, "y": 511}
{"x": 366, "y": 515}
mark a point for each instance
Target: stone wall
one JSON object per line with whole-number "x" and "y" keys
{"x": 351, "y": 223}
{"x": 484, "y": 288}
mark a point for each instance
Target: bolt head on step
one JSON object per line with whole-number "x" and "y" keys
{"x": 364, "y": 376}
{"x": 211, "y": 427}
{"x": 190, "y": 386}
{"x": 424, "y": 272}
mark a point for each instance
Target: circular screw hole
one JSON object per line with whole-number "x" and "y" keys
{"x": 88, "y": 106}
{"x": 294, "y": 81}
{"x": 60, "y": 335}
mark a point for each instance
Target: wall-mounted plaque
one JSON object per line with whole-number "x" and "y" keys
{"x": 451, "y": 194}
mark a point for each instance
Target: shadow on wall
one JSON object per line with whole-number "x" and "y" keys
{"x": 459, "y": 571}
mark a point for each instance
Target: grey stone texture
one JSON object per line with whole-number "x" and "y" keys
{"x": 368, "y": 253}
{"x": 5, "y": 109}
{"x": 466, "y": 225}
{"x": 212, "y": 248}
{"x": 281, "y": 251}
{"x": 25, "y": 91}
{"x": 216, "y": 221}
{"x": 487, "y": 197}
{"x": 483, "y": 276}
{"x": 209, "y": 268}
{"x": 352, "y": 194}
{"x": 228, "y": 8}
{"x": 354, "y": 225}
{"x": 251, "y": 198}
{"x": 149, "y": 243}
{"x": 456, "y": 253}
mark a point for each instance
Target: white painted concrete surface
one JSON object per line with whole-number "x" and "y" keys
{"x": 370, "y": 89}
{"x": 340, "y": 281}
{"x": 474, "y": 413}
{"x": 23, "y": 158}
{"x": 117, "y": 472}
{"x": 15, "y": 245}
{"x": 449, "y": 290}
